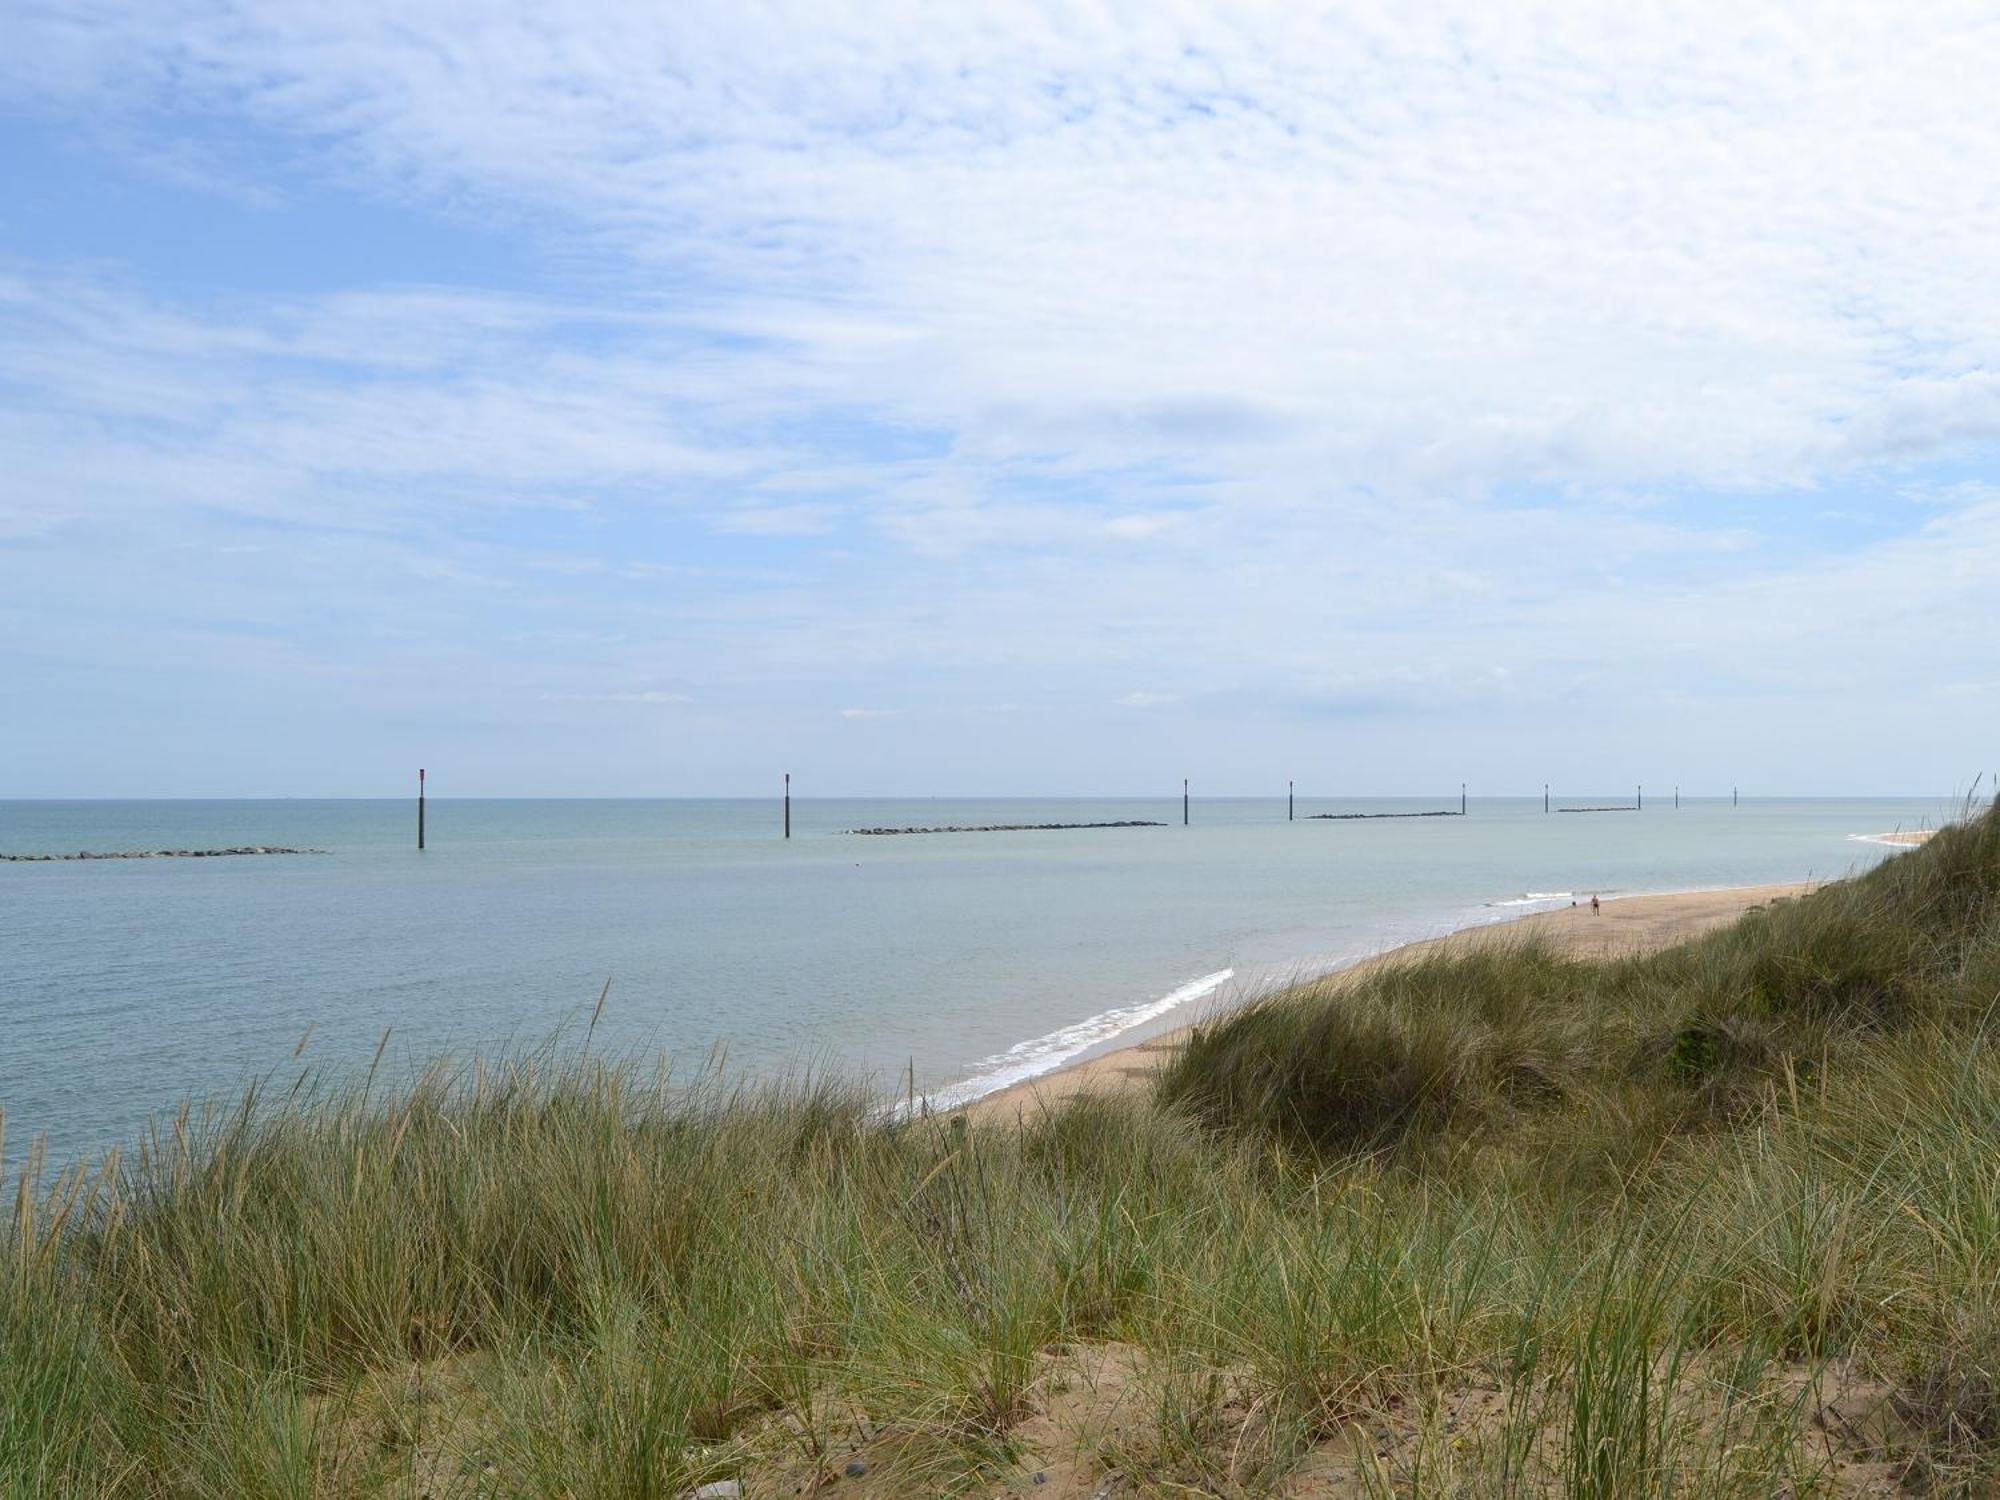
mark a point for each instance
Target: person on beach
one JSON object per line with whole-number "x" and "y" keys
{"x": 1593, "y": 903}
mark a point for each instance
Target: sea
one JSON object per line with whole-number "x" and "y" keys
{"x": 936, "y": 965}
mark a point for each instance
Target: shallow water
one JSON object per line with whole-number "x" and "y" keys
{"x": 127, "y": 985}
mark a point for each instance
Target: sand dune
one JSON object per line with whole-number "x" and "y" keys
{"x": 1627, "y": 924}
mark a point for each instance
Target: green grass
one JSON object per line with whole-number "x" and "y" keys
{"x": 1721, "y": 1220}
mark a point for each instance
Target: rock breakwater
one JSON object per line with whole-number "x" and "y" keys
{"x": 1358, "y": 817}
{"x": 1006, "y": 827}
{"x": 37, "y": 859}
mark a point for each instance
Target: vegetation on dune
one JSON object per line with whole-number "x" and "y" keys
{"x": 1504, "y": 1038}
{"x": 1721, "y": 1220}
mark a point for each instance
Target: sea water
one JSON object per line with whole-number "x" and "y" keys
{"x": 944, "y": 963}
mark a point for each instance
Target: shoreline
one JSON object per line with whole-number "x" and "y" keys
{"x": 1900, "y": 839}
{"x": 1628, "y": 925}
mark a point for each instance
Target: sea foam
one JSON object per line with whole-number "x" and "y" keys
{"x": 1044, "y": 1054}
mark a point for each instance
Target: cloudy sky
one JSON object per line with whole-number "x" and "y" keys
{"x": 610, "y": 398}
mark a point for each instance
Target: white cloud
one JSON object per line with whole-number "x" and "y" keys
{"x": 1449, "y": 246}
{"x": 1331, "y": 357}
{"x": 1139, "y": 527}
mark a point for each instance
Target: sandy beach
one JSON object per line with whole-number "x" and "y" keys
{"x": 1627, "y": 924}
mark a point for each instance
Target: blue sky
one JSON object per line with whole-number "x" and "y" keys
{"x": 649, "y": 400}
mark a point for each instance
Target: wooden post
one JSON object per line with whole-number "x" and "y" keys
{"x": 1461, "y": 799}
{"x": 1677, "y": 799}
{"x": 1184, "y": 802}
{"x": 1639, "y": 798}
{"x": 788, "y": 804}
{"x": 420, "y": 807}
{"x": 1545, "y": 796}
{"x": 1290, "y": 808}
{"x": 1732, "y": 796}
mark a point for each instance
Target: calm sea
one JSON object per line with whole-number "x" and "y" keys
{"x": 963, "y": 960}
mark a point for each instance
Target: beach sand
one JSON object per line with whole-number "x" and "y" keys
{"x": 1628, "y": 924}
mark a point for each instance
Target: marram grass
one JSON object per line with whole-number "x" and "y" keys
{"x": 1723, "y": 1220}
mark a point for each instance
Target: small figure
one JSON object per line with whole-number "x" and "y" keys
{"x": 1593, "y": 903}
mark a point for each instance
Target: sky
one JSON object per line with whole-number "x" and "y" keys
{"x": 612, "y": 399}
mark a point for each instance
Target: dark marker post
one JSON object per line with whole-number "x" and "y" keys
{"x": 1677, "y": 799}
{"x": 1289, "y": 807}
{"x": 1184, "y": 802}
{"x": 1545, "y": 796}
{"x": 1461, "y": 799}
{"x": 420, "y": 807}
{"x": 788, "y": 804}
{"x": 1639, "y": 797}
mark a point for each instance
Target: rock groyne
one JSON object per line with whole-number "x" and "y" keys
{"x": 1005, "y": 828}
{"x": 1357, "y": 817}
{"x": 36, "y": 859}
